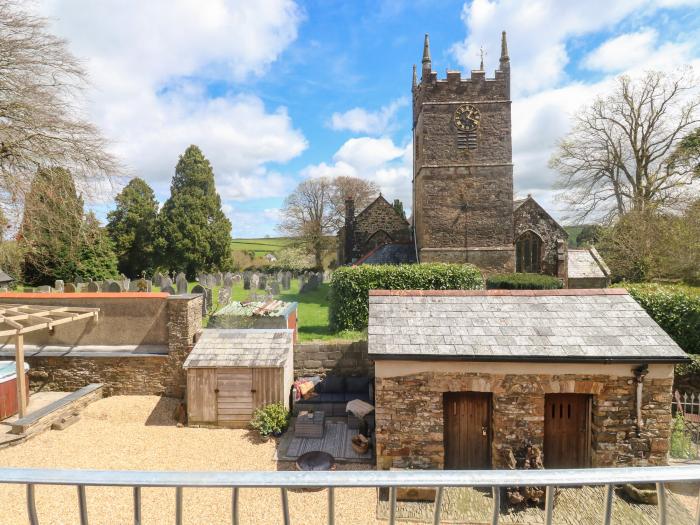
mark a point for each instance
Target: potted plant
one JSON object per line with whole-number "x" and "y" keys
{"x": 270, "y": 420}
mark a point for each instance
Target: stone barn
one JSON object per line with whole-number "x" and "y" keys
{"x": 469, "y": 379}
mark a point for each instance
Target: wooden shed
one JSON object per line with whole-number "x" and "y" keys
{"x": 231, "y": 372}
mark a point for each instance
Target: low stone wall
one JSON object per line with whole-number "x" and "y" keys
{"x": 410, "y": 420}
{"x": 344, "y": 359}
{"x": 152, "y": 375}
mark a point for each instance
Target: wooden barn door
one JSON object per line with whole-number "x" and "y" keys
{"x": 234, "y": 397}
{"x": 567, "y": 430}
{"x": 467, "y": 430}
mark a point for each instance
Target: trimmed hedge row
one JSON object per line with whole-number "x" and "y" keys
{"x": 350, "y": 286}
{"x": 522, "y": 281}
{"x": 675, "y": 310}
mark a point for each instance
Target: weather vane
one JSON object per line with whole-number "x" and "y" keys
{"x": 482, "y": 54}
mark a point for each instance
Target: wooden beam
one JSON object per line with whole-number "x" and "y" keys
{"x": 21, "y": 379}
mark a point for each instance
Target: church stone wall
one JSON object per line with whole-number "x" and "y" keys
{"x": 380, "y": 215}
{"x": 530, "y": 216}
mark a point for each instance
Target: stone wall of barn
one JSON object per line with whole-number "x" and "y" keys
{"x": 409, "y": 413}
{"x": 343, "y": 359}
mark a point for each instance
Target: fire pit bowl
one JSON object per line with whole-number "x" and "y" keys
{"x": 316, "y": 460}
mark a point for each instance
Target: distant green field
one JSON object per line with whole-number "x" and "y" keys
{"x": 261, "y": 247}
{"x": 573, "y": 232}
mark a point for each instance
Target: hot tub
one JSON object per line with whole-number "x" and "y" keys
{"x": 8, "y": 388}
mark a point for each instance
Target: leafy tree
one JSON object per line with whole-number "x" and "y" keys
{"x": 362, "y": 191}
{"x": 628, "y": 151}
{"x": 588, "y": 235}
{"x": 97, "y": 258}
{"x": 51, "y": 228}
{"x": 132, "y": 228}
{"x": 196, "y": 233}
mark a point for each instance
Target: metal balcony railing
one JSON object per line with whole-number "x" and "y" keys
{"x": 285, "y": 480}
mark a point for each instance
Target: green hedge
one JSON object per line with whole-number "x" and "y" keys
{"x": 676, "y": 310}
{"x": 522, "y": 281}
{"x": 350, "y": 286}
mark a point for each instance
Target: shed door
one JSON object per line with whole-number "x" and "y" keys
{"x": 567, "y": 430}
{"x": 234, "y": 399}
{"x": 467, "y": 430}
{"x": 267, "y": 386}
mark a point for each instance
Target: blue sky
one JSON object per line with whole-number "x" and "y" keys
{"x": 275, "y": 91}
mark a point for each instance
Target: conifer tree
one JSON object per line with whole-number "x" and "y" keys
{"x": 132, "y": 228}
{"x": 195, "y": 232}
{"x": 97, "y": 258}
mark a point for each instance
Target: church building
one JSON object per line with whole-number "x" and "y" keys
{"x": 463, "y": 209}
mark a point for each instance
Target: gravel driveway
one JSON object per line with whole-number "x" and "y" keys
{"x": 139, "y": 433}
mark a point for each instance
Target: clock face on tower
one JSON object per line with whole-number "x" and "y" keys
{"x": 467, "y": 118}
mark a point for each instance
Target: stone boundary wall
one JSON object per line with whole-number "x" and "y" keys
{"x": 336, "y": 358}
{"x": 410, "y": 421}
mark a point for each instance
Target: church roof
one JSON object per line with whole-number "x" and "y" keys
{"x": 583, "y": 264}
{"x": 517, "y": 203}
{"x": 597, "y": 325}
{"x": 4, "y": 278}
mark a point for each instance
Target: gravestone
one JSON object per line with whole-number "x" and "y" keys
{"x": 43, "y": 289}
{"x": 224, "y": 296}
{"x": 114, "y": 287}
{"x": 168, "y": 289}
{"x": 133, "y": 286}
{"x": 218, "y": 279}
{"x": 69, "y": 288}
{"x": 246, "y": 281}
{"x": 58, "y": 285}
{"x": 275, "y": 287}
{"x": 262, "y": 282}
{"x": 181, "y": 283}
{"x": 165, "y": 281}
{"x": 156, "y": 279}
{"x": 93, "y": 287}
{"x": 78, "y": 280}
{"x": 228, "y": 280}
{"x": 287, "y": 280}
{"x": 201, "y": 290}
{"x": 255, "y": 281}
{"x": 142, "y": 285}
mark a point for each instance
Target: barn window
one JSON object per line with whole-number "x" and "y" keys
{"x": 528, "y": 252}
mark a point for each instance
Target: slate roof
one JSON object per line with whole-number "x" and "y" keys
{"x": 583, "y": 264}
{"x": 602, "y": 325}
{"x": 4, "y": 278}
{"x": 241, "y": 348}
{"x": 393, "y": 253}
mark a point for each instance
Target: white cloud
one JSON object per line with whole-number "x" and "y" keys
{"x": 376, "y": 159}
{"x": 253, "y": 224}
{"x": 623, "y": 51}
{"x": 148, "y": 63}
{"x": 360, "y": 120}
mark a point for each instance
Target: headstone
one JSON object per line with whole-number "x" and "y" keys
{"x": 224, "y": 296}
{"x": 228, "y": 280}
{"x": 199, "y": 289}
{"x": 133, "y": 287}
{"x": 141, "y": 285}
{"x": 43, "y": 289}
{"x": 114, "y": 287}
{"x": 168, "y": 289}
{"x": 58, "y": 285}
{"x": 93, "y": 287}
{"x": 78, "y": 280}
{"x": 165, "y": 281}
{"x": 181, "y": 283}
{"x": 255, "y": 282}
{"x": 69, "y": 288}
{"x": 149, "y": 286}
{"x": 262, "y": 282}
{"x": 287, "y": 280}
{"x": 246, "y": 281}
{"x": 275, "y": 287}
{"x": 156, "y": 279}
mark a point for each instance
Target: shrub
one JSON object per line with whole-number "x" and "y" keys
{"x": 681, "y": 444}
{"x": 350, "y": 286}
{"x": 270, "y": 419}
{"x": 676, "y": 310}
{"x": 522, "y": 281}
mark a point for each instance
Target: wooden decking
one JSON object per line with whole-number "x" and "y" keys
{"x": 335, "y": 441}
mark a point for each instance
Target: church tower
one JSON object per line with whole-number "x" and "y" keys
{"x": 463, "y": 166}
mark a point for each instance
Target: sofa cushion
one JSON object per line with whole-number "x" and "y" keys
{"x": 333, "y": 385}
{"x": 332, "y": 397}
{"x": 357, "y": 384}
{"x": 364, "y": 397}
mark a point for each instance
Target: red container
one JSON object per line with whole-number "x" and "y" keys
{"x": 8, "y": 388}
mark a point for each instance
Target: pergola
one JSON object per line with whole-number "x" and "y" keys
{"x": 19, "y": 319}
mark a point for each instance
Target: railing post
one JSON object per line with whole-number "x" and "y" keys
{"x": 137, "y": 505}
{"x": 392, "y": 505}
{"x": 178, "y": 505}
{"x": 438, "y": 506}
{"x": 234, "y": 506}
{"x": 496, "y": 505}
{"x": 697, "y": 511}
{"x": 607, "y": 513}
{"x": 31, "y": 505}
{"x": 549, "y": 504}
{"x": 285, "y": 506}
{"x": 331, "y": 506}
{"x": 82, "y": 504}
{"x": 661, "y": 493}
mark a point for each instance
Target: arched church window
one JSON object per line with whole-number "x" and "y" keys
{"x": 528, "y": 252}
{"x": 377, "y": 239}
